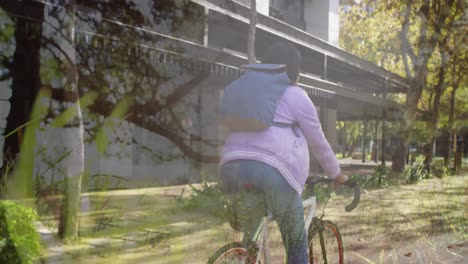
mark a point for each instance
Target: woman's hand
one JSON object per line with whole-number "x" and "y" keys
{"x": 340, "y": 180}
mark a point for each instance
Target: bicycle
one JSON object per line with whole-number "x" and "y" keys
{"x": 238, "y": 252}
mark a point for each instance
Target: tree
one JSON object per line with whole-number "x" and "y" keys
{"x": 419, "y": 26}
{"x": 69, "y": 223}
{"x": 432, "y": 18}
{"x": 458, "y": 79}
{"x": 451, "y": 53}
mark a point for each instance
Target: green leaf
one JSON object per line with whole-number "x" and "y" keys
{"x": 20, "y": 185}
{"x": 71, "y": 112}
{"x": 102, "y": 138}
{"x": 2, "y": 243}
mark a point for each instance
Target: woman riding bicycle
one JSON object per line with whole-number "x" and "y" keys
{"x": 275, "y": 162}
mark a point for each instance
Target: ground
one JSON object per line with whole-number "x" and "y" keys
{"x": 425, "y": 222}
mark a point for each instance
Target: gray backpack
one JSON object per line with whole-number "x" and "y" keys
{"x": 249, "y": 103}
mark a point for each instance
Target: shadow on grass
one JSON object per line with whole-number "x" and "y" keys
{"x": 385, "y": 218}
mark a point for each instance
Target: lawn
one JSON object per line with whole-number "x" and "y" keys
{"x": 416, "y": 223}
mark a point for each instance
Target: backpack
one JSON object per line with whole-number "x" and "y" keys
{"x": 249, "y": 103}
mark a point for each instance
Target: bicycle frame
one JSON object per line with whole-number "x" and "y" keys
{"x": 260, "y": 238}
{"x": 261, "y": 234}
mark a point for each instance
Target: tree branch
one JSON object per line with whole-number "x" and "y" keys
{"x": 47, "y": 41}
{"x": 104, "y": 108}
{"x": 406, "y": 49}
{"x": 150, "y": 108}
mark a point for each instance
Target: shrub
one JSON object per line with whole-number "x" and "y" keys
{"x": 379, "y": 179}
{"x": 208, "y": 198}
{"x": 418, "y": 171}
{"x": 414, "y": 173}
{"x": 321, "y": 192}
{"x": 438, "y": 168}
{"x": 18, "y": 234}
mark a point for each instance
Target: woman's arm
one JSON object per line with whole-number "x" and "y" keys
{"x": 305, "y": 113}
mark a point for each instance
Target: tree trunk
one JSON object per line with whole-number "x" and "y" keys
{"x": 73, "y": 134}
{"x": 455, "y": 85}
{"x": 25, "y": 86}
{"x": 344, "y": 139}
{"x": 435, "y": 112}
{"x": 458, "y": 151}
{"x": 400, "y": 149}
{"x": 252, "y": 29}
{"x": 417, "y": 74}
{"x": 351, "y": 148}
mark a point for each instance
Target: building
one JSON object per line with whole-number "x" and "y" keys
{"x": 146, "y": 52}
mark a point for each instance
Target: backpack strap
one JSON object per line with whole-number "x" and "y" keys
{"x": 264, "y": 67}
{"x": 294, "y": 126}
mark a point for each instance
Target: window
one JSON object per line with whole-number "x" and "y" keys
{"x": 289, "y": 11}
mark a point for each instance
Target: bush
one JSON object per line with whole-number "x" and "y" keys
{"x": 322, "y": 192}
{"x": 418, "y": 171}
{"x": 19, "y": 241}
{"x": 438, "y": 168}
{"x": 209, "y": 198}
{"x": 415, "y": 173}
{"x": 379, "y": 179}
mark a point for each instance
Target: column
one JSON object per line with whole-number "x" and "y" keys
{"x": 329, "y": 128}
{"x": 322, "y": 19}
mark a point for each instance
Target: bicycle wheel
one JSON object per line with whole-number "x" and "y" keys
{"x": 325, "y": 243}
{"x": 234, "y": 253}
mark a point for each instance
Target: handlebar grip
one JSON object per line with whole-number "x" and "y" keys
{"x": 357, "y": 195}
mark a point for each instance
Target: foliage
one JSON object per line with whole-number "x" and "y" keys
{"x": 20, "y": 185}
{"x": 321, "y": 192}
{"x": 18, "y": 234}
{"x": 379, "y": 179}
{"x": 461, "y": 107}
{"x": 419, "y": 171}
{"x": 420, "y": 40}
{"x": 351, "y": 138}
{"x": 416, "y": 172}
{"x": 438, "y": 168}
{"x": 208, "y": 198}
{"x": 121, "y": 64}
{"x": 364, "y": 34}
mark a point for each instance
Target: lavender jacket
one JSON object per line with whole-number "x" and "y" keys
{"x": 280, "y": 148}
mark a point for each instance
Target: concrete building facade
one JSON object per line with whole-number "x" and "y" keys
{"x": 212, "y": 44}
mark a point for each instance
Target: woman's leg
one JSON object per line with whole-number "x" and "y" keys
{"x": 281, "y": 200}
{"x": 290, "y": 220}
{"x": 286, "y": 206}
{"x": 247, "y": 205}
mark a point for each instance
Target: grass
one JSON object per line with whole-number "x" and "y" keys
{"x": 420, "y": 219}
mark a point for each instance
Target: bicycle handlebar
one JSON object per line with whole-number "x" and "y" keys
{"x": 357, "y": 195}
{"x": 348, "y": 183}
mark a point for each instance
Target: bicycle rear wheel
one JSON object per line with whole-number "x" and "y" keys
{"x": 325, "y": 243}
{"x": 233, "y": 253}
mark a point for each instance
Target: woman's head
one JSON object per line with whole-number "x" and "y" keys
{"x": 287, "y": 54}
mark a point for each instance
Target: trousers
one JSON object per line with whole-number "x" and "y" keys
{"x": 266, "y": 192}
